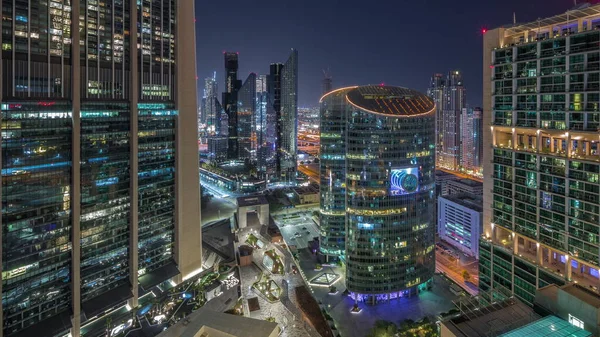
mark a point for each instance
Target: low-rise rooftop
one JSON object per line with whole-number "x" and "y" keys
{"x": 205, "y": 322}
{"x": 302, "y": 190}
{"x": 466, "y": 200}
{"x": 491, "y": 320}
{"x": 253, "y": 200}
{"x": 549, "y": 326}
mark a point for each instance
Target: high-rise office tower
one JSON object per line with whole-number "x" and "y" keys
{"x": 217, "y": 142}
{"x": 288, "y": 120}
{"x": 96, "y": 148}
{"x": 436, "y": 93}
{"x": 229, "y": 103}
{"x": 541, "y": 186}
{"x": 283, "y": 100}
{"x": 246, "y": 108}
{"x": 209, "y": 103}
{"x": 262, "y": 100}
{"x": 478, "y": 139}
{"x": 454, "y": 100}
{"x": 327, "y": 82}
{"x": 273, "y": 119}
{"x": 378, "y": 190}
{"x": 466, "y": 138}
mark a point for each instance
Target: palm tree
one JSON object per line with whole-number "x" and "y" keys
{"x": 108, "y": 325}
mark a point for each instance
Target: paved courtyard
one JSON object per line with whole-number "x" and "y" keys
{"x": 426, "y": 304}
{"x": 218, "y": 209}
{"x": 292, "y": 325}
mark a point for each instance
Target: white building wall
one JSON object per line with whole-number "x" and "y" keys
{"x": 459, "y": 226}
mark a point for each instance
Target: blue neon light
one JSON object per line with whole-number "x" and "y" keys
{"x": 106, "y": 182}
{"x": 404, "y": 181}
{"x": 16, "y": 170}
{"x": 95, "y": 160}
{"x": 365, "y": 225}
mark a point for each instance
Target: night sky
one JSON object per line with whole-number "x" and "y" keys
{"x": 396, "y": 42}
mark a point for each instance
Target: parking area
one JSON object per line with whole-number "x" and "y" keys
{"x": 297, "y": 228}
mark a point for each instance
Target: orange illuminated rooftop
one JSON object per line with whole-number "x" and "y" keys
{"x": 396, "y": 101}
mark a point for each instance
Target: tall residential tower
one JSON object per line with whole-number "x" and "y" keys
{"x": 454, "y": 101}
{"x": 99, "y": 138}
{"x": 436, "y": 93}
{"x": 541, "y": 187}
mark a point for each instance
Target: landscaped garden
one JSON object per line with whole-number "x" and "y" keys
{"x": 255, "y": 242}
{"x": 268, "y": 288}
{"x": 273, "y": 262}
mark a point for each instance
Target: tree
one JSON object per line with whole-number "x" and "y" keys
{"x": 466, "y": 276}
{"x": 108, "y": 325}
{"x": 383, "y": 329}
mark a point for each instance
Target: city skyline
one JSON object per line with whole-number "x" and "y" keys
{"x": 372, "y": 57}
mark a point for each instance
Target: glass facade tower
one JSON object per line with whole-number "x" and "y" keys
{"x": 282, "y": 119}
{"x": 541, "y": 186}
{"x": 246, "y": 110}
{"x": 94, "y": 137}
{"x": 386, "y": 169}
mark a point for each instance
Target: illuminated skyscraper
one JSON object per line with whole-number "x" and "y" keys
{"x": 377, "y": 188}
{"x": 262, "y": 100}
{"x": 209, "y": 103}
{"x": 229, "y": 103}
{"x": 454, "y": 100}
{"x": 287, "y": 120}
{"x": 327, "y": 82}
{"x": 436, "y": 93}
{"x": 96, "y": 147}
{"x": 541, "y": 158}
{"x": 245, "y": 110}
{"x": 282, "y": 118}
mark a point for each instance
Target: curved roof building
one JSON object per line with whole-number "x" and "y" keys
{"x": 377, "y": 188}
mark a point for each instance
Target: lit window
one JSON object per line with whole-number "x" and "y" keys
{"x": 576, "y": 321}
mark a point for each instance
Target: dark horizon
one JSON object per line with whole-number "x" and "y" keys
{"x": 360, "y": 45}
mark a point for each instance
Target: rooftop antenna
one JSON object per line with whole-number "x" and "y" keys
{"x": 514, "y": 18}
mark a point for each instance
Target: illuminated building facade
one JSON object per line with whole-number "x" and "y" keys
{"x": 94, "y": 137}
{"x": 262, "y": 103}
{"x": 541, "y": 186}
{"x": 436, "y": 93}
{"x": 381, "y": 165}
{"x": 454, "y": 101}
{"x": 283, "y": 100}
{"x": 459, "y": 221}
{"x": 210, "y": 112}
{"x": 229, "y": 103}
{"x": 245, "y": 110}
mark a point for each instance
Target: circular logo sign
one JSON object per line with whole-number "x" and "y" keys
{"x": 409, "y": 183}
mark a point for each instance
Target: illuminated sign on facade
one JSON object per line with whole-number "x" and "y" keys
{"x": 404, "y": 181}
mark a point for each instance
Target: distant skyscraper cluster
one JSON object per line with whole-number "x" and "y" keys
{"x": 458, "y": 127}
{"x": 258, "y": 119}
